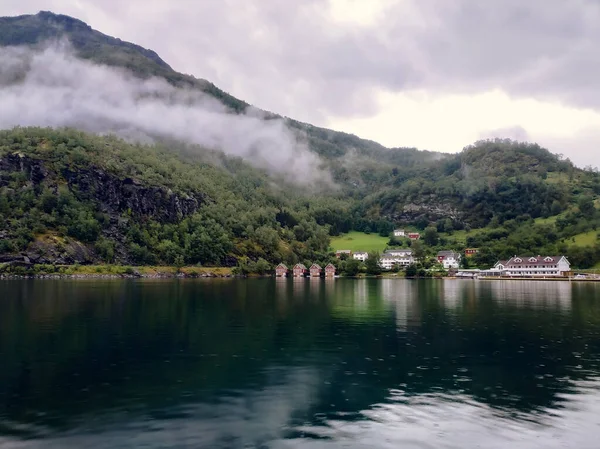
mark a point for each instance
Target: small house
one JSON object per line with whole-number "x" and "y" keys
{"x": 414, "y": 235}
{"x": 281, "y": 270}
{"x": 299, "y": 270}
{"x": 339, "y": 253}
{"x": 362, "y": 256}
{"x": 315, "y": 270}
{"x": 399, "y": 233}
{"x": 449, "y": 259}
{"x": 330, "y": 271}
{"x": 470, "y": 252}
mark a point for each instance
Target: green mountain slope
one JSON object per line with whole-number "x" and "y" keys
{"x": 36, "y": 30}
{"x": 165, "y": 204}
{"x": 146, "y": 204}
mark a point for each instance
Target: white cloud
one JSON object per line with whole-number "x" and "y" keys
{"x": 60, "y": 90}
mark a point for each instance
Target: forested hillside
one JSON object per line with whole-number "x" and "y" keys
{"x": 72, "y": 197}
{"x": 147, "y": 204}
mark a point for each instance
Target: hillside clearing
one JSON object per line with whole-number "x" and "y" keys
{"x": 584, "y": 239}
{"x": 359, "y": 241}
{"x": 456, "y": 236}
{"x": 546, "y": 221}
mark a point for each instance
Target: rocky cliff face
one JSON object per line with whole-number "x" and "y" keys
{"x": 428, "y": 208}
{"x": 433, "y": 209}
{"x": 113, "y": 195}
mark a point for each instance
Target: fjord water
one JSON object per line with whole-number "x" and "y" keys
{"x": 299, "y": 363}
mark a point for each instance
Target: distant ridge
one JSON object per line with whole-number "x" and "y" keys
{"x": 35, "y": 29}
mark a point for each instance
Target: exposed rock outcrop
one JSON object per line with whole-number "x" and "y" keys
{"x": 429, "y": 207}
{"x": 112, "y": 194}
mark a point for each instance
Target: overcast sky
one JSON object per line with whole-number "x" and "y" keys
{"x": 435, "y": 74}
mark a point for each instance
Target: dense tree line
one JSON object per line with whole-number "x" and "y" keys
{"x": 246, "y": 218}
{"x": 243, "y": 215}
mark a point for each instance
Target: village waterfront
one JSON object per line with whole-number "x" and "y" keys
{"x": 306, "y": 362}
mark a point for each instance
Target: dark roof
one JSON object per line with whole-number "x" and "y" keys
{"x": 447, "y": 254}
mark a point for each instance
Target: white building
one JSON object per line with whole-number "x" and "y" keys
{"x": 399, "y": 233}
{"x": 362, "y": 256}
{"x": 401, "y": 257}
{"x": 449, "y": 259}
{"x": 531, "y": 266}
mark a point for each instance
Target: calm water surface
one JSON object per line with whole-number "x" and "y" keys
{"x": 299, "y": 364}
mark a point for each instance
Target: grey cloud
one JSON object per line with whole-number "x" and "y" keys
{"x": 291, "y": 58}
{"x": 61, "y": 90}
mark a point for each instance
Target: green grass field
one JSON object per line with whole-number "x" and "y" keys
{"x": 585, "y": 239}
{"x": 546, "y": 221}
{"x": 456, "y": 236}
{"x": 359, "y": 241}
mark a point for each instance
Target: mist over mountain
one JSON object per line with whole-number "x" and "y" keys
{"x": 52, "y": 87}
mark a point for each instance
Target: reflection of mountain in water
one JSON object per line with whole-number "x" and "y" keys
{"x": 72, "y": 352}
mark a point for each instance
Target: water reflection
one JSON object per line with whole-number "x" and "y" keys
{"x": 299, "y": 363}
{"x": 536, "y": 294}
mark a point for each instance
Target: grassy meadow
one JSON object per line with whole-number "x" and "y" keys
{"x": 359, "y": 241}
{"x": 584, "y": 239}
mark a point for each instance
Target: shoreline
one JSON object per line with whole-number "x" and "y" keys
{"x": 193, "y": 272}
{"x": 120, "y": 272}
{"x": 106, "y": 276}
